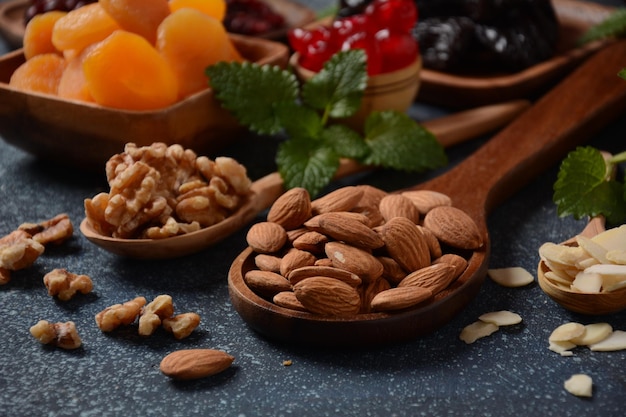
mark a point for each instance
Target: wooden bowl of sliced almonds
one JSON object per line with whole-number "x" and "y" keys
{"x": 586, "y": 274}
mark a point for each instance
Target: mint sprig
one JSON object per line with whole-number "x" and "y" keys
{"x": 613, "y": 26}
{"x": 585, "y": 188}
{"x": 270, "y": 100}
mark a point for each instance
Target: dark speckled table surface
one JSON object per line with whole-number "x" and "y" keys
{"x": 510, "y": 373}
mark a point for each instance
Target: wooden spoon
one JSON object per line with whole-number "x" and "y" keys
{"x": 449, "y": 130}
{"x": 570, "y": 113}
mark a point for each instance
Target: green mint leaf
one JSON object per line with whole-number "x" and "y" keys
{"x": 251, "y": 92}
{"x": 346, "y": 142}
{"x": 622, "y": 73}
{"x": 581, "y": 188}
{"x": 299, "y": 121}
{"x": 338, "y": 88}
{"x": 613, "y": 26}
{"x": 397, "y": 141}
{"x": 306, "y": 163}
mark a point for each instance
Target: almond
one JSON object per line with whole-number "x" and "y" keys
{"x": 405, "y": 244}
{"x": 353, "y": 259}
{"x": 287, "y": 299}
{"x": 342, "y": 199}
{"x": 348, "y": 230}
{"x": 267, "y": 262}
{"x": 348, "y": 277}
{"x": 195, "y": 363}
{"x": 426, "y": 200}
{"x": 457, "y": 261}
{"x": 371, "y": 195}
{"x": 453, "y": 227}
{"x": 400, "y": 298}
{"x": 266, "y": 283}
{"x": 435, "y": 277}
{"x": 291, "y": 209}
{"x": 328, "y": 296}
{"x": 311, "y": 241}
{"x": 266, "y": 237}
{"x": 314, "y": 222}
{"x": 396, "y": 205}
{"x": 431, "y": 241}
{"x": 295, "y": 258}
{"x": 370, "y": 291}
{"x": 392, "y": 271}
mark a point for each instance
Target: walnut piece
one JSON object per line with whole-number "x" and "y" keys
{"x": 18, "y": 250}
{"x": 160, "y": 191}
{"x": 52, "y": 231}
{"x": 181, "y": 325}
{"x": 65, "y": 285}
{"x": 63, "y": 335}
{"x": 153, "y": 313}
{"x": 117, "y": 315}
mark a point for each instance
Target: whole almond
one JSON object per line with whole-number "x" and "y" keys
{"x": 353, "y": 259}
{"x": 348, "y": 277}
{"x": 431, "y": 241}
{"x": 371, "y": 195}
{"x": 314, "y": 222}
{"x": 342, "y": 199}
{"x": 267, "y": 262}
{"x": 453, "y": 227}
{"x": 195, "y": 363}
{"x": 328, "y": 296}
{"x": 295, "y": 258}
{"x": 266, "y": 283}
{"x": 392, "y": 271}
{"x": 349, "y": 230}
{"x": 266, "y": 237}
{"x": 370, "y": 290}
{"x": 405, "y": 244}
{"x": 397, "y": 205}
{"x": 399, "y": 298}
{"x": 291, "y": 209}
{"x": 457, "y": 261}
{"x": 426, "y": 200}
{"x": 287, "y": 299}
{"x": 435, "y": 277}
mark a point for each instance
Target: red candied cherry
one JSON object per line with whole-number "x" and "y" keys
{"x": 362, "y": 40}
{"x": 343, "y": 28}
{"x": 399, "y": 16}
{"x": 397, "y": 50}
{"x": 314, "y": 46}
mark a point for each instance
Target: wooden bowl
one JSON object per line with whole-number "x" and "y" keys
{"x": 391, "y": 91}
{"x": 85, "y": 135}
{"x": 460, "y": 91}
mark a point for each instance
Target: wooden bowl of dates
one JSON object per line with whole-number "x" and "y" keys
{"x": 480, "y": 86}
{"x": 85, "y": 135}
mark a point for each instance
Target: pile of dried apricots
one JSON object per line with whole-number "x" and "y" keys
{"x": 125, "y": 54}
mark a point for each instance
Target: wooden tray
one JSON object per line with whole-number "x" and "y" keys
{"x": 458, "y": 91}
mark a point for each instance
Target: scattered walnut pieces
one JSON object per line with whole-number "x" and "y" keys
{"x": 181, "y": 325}
{"x": 52, "y": 231}
{"x": 153, "y": 313}
{"x": 63, "y": 335}
{"x": 160, "y": 191}
{"x": 488, "y": 324}
{"x": 118, "y": 315}
{"x": 18, "y": 250}
{"x": 65, "y": 284}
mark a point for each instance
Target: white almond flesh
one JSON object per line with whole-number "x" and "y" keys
{"x": 511, "y": 277}
{"x": 612, "y": 239}
{"x": 612, "y": 275}
{"x": 566, "y": 332}
{"x": 615, "y": 341}
{"x": 587, "y": 282}
{"x": 562, "y": 255}
{"x": 580, "y": 385}
{"x": 477, "y": 330}
{"x": 594, "y": 333}
{"x": 501, "y": 318}
{"x": 585, "y": 263}
{"x": 616, "y": 256}
{"x": 562, "y": 348}
{"x": 557, "y": 278}
{"x": 592, "y": 248}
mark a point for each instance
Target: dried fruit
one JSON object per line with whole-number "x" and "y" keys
{"x": 195, "y": 363}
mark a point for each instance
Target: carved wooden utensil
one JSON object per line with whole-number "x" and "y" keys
{"x": 569, "y": 114}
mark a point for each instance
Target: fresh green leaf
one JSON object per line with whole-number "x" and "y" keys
{"x": 346, "y": 142}
{"x": 582, "y": 188}
{"x": 397, "y": 141}
{"x": 305, "y": 163}
{"x": 299, "y": 121}
{"x": 251, "y": 92}
{"x": 622, "y": 73}
{"x": 613, "y": 26}
{"x": 338, "y": 88}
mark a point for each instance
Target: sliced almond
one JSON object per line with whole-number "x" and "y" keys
{"x": 594, "y": 333}
{"x": 562, "y": 348}
{"x": 579, "y": 385}
{"x": 477, "y": 330}
{"x": 615, "y": 341}
{"x": 612, "y": 239}
{"x": 511, "y": 277}
{"x": 501, "y": 318}
{"x": 587, "y": 282}
{"x": 592, "y": 248}
{"x": 566, "y": 332}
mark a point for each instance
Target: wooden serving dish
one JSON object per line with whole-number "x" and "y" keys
{"x": 85, "y": 135}
{"x": 459, "y": 91}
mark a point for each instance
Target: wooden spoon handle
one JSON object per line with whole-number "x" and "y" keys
{"x": 449, "y": 130}
{"x": 566, "y": 116}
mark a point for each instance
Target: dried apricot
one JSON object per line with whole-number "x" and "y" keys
{"x": 38, "y": 34}
{"x": 125, "y": 71}
{"x": 190, "y": 41}
{"x": 41, "y": 73}
{"x": 82, "y": 27}
{"x": 138, "y": 16}
{"x": 73, "y": 84}
{"x": 213, "y": 8}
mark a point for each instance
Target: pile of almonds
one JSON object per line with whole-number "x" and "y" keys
{"x": 358, "y": 250}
